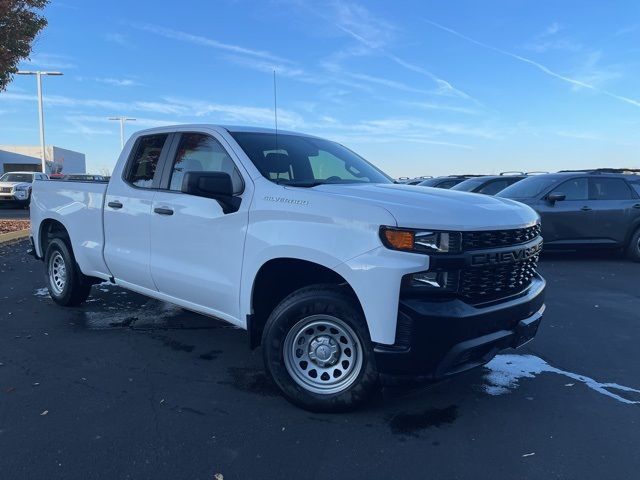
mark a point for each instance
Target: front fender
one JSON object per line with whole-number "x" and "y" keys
{"x": 375, "y": 276}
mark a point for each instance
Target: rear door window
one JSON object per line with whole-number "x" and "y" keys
{"x": 609, "y": 189}
{"x": 143, "y": 163}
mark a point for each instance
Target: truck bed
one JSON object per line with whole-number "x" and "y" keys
{"x": 78, "y": 206}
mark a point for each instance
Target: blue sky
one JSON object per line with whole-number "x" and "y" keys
{"x": 419, "y": 88}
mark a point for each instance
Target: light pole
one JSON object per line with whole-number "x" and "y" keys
{"x": 38, "y": 75}
{"x": 122, "y": 120}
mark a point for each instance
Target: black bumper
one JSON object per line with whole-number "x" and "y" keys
{"x": 441, "y": 338}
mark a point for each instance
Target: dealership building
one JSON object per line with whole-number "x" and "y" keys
{"x": 26, "y": 158}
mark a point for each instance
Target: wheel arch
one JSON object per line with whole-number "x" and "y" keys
{"x": 51, "y": 228}
{"x": 279, "y": 277}
{"x": 633, "y": 228}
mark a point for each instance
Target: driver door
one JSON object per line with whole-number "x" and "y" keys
{"x": 568, "y": 221}
{"x": 197, "y": 249}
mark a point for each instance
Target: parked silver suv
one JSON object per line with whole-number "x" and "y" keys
{"x": 587, "y": 209}
{"x": 15, "y": 187}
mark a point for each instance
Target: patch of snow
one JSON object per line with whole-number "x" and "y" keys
{"x": 41, "y": 292}
{"x": 505, "y": 371}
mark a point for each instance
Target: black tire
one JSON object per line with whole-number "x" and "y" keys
{"x": 320, "y": 302}
{"x": 75, "y": 287}
{"x": 633, "y": 249}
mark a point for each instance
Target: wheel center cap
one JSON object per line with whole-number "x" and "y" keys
{"x": 323, "y": 351}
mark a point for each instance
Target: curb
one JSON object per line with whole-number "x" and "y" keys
{"x": 18, "y": 235}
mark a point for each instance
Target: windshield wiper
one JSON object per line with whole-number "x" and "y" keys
{"x": 301, "y": 183}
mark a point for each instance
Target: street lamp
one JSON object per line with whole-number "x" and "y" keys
{"x": 122, "y": 120}
{"x": 38, "y": 75}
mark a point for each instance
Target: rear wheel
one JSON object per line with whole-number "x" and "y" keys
{"x": 65, "y": 282}
{"x": 633, "y": 249}
{"x": 318, "y": 351}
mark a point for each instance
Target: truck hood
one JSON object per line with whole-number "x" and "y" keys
{"x": 13, "y": 184}
{"x": 438, "y": 209}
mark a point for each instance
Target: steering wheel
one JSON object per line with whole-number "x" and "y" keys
{"x": 333, "y": 178}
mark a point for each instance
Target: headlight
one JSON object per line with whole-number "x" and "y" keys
{"x": 420, "y": 241}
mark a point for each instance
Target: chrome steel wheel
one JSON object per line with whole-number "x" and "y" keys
{"x": 57, "y": 273}
{"x": 322, "y": 354}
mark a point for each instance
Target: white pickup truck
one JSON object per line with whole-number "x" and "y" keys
{"x": 341, "y": 275}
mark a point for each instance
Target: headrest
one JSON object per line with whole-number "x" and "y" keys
{"x": 277, "y": 163}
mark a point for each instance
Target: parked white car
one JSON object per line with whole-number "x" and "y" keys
{"x": 339, "y": 273}
{"x": 16, "y": 186}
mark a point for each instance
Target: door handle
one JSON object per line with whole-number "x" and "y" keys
{"x": 637, "y": 205}
{"x": 163, "y": 211}
{"x": 586, "y": 209}
{"x": 115, "y": 205}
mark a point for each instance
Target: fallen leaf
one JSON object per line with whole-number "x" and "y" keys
{"x": 44, "y": 413}
{"x": 9, "y": 389}
{"x": 529, "y": 454}
{"x": 218, "y": 476}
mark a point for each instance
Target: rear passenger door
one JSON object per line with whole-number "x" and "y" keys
{"x": 127, "y": 212}
{"x": 615, "y": 206}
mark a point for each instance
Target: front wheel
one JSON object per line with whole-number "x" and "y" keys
{"x": 633, "y": 249}
{"x": 318, "y": 350}
{"x": 65, "y": 282}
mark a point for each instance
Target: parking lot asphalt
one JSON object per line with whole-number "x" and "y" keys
{"x": 126, "y": 387}
{"x": 8, "y": 212}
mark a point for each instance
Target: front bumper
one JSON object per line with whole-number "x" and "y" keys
{"x": 6, "y": 197}
{"x": 436, "y": 339}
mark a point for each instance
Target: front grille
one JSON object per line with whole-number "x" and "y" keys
{"x": 480, "y": 284}
{"x": 498, "y": 238}
{"x": 5, "y": 190}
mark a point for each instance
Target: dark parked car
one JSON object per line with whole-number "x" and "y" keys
{"x": 445, "y": 182}
{"x": 489, "y": 184}
{"x": 597, "y": 208}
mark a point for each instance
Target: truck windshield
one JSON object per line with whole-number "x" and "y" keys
{"x": 306, "y": 161}
{"x": 17, "y": 177}
{"x": 529, "y": 187}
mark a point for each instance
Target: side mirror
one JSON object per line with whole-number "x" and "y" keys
{"x": 556, "y": 197}
{"x": 215, "y": 185}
